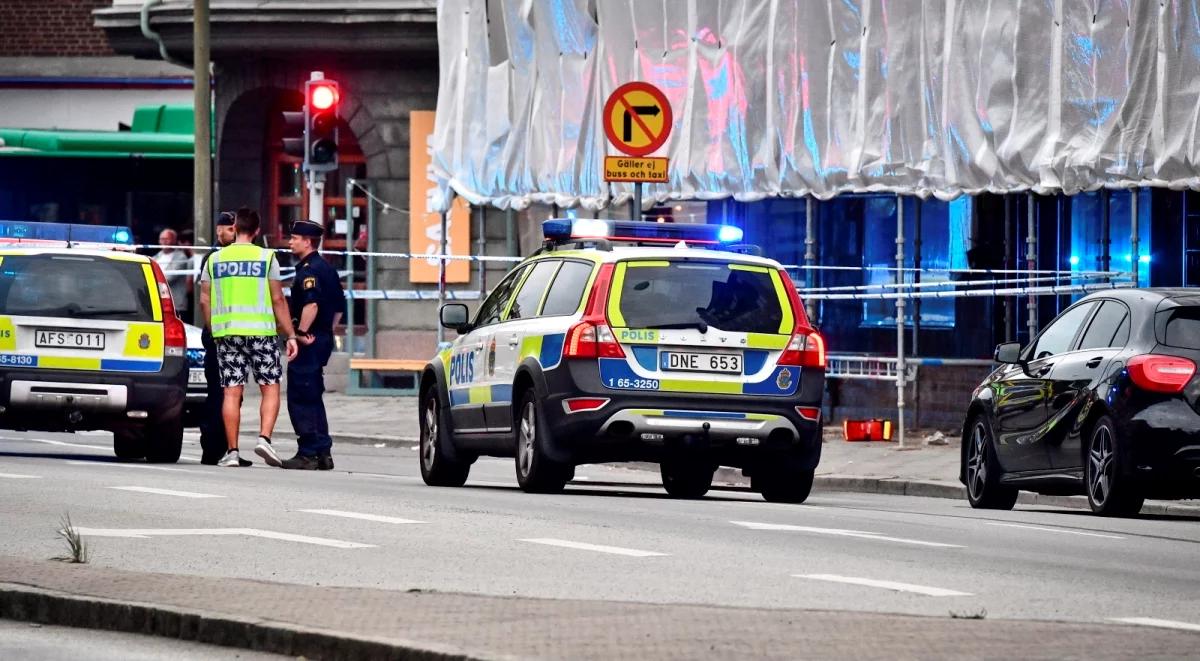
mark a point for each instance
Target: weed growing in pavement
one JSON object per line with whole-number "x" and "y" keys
{"x": 79, "y": 551}
{"x": 982, "y": 614}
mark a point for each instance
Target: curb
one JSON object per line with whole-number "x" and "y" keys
{"x": 931, "y": 489}
{"x": 29, "y": 604}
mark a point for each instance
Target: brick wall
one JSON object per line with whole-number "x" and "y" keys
{"x": 62, "y": 28}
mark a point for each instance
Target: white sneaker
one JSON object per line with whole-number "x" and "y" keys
{"x": 230, "y": 460}
{"x": 264, "y": 450}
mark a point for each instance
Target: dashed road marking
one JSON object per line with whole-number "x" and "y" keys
{"x": 887, "y": 585}
{"x": 582, "y": 546}
{"x": 146, "y": 533}
{"x": 860, "y": 534}
{"x": 48, "y": 441}
{"x": 364, "y": 517}
{"x": 168, "y": 492}
{"x": 18, "y": 476}
{"x": 1155, "y": 622}
{"x": 1059, "y": 530}
{"x": 78, "y": 462}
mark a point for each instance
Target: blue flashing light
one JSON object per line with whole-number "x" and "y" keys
{"x": 1128, "y": 257}
{"x": 1074, "y": 260}
{"x": 1145, "y": 259}
{"x": 729, "y": 234}
{"x": 633, "y": 231}
{"x": 19, "y": 231}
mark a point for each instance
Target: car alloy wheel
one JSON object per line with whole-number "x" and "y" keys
{"x": 1101, "y": 457}
{"x": 527, "y": 436}
{"x": 977, "y": 461}
{"x": 430, "y": 438}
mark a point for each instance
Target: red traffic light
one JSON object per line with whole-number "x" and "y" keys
{"x": 323, "y": 97}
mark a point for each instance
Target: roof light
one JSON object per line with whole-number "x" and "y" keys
{"x": 729, "y": 234}
{"x": 32, "y": 233}
{"x": 633, "y": 231}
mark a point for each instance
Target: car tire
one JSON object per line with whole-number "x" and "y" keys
{"x": 1110, "y": 489}
{"x": 536, "y": 471}
{"x": 164, "y": 441}
{"x": 437, "y": 469}
{"x": 686, "y": 478}
{"x": 982, "y": 469}
{"x": 783, "y": 483}
{"x": 129, "y": 444}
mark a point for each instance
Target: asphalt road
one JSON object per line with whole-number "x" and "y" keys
{"x": 614, "y": 535}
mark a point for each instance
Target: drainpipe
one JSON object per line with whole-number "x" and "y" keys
{"x": 154, "y": 36}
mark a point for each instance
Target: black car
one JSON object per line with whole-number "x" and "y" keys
{"x": 1105, "y": 402}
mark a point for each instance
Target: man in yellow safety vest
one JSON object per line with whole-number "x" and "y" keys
{"x": 242, "y": 300}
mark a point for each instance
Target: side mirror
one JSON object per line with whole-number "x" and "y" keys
{"x": 455, "y": 316}
{"x": 1008, "y": 353}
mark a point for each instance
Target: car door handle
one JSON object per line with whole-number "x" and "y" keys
{"x": 1043, "y": 371}
{"x": 514, "y": 341}
{"x": 1095, "y": 362}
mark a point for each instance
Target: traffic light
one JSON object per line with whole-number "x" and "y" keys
{"x": 312, "y": 134}
{"x": 321, "y": 125}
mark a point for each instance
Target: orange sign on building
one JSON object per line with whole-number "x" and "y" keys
{"x": 425, "y": 228}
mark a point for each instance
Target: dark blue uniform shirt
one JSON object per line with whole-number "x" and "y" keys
{"x": 317, "y": 282}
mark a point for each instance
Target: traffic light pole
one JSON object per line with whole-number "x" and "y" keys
{"x": 316, "y": 197}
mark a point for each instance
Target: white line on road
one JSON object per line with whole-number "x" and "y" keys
{"x": 68, "y": 445}
{"x": 1154, "y": 622}
{"x": 1043, "y": 528}
{"x": 145, "y": 533}
{"x": 364, "y": 517}
{"x": 78, "y": 462}
{"x": 753, "y": 525}
{"x": 615, "y": 550}
{"x": 887, "y": 585}
{"x": 168, "y": 492}
{"x": 18, "y": 476}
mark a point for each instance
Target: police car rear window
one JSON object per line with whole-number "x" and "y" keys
{"x": 78, "y": 287}
{"x": 690, "y": 294}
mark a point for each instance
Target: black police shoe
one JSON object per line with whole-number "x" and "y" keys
{"x": 301, "y": 463}
{"x": 325, "y": 462}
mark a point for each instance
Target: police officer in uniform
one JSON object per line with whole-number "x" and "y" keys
{"x": 317, "y": 304}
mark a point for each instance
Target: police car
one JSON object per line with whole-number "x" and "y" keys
{"x": 89, "y": 338}
{"x": 631, "y": 341}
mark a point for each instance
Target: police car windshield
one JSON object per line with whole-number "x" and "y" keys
{"x": 74, "y": 286}
{"x": 681, "y": 294}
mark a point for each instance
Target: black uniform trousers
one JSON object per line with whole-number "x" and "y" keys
{"x": 212, "y": 425}
{"x": 306, "y": 384}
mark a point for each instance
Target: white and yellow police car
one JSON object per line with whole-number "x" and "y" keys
{"x": 89, "y": 338}
{"x": 631, "y": 341}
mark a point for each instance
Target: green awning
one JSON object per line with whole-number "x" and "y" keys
{"x": 162, "y": 131}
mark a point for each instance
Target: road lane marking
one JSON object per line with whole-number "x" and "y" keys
{"x": 68, "y": 445}
{"x": 839, "y": 532}
{"x": 1155, "y": 622}
{"x": 615, "y": 550}
{"x": 79, "y": 462}
{"x": 364, "y": 517}
{"x": 1043, "y": 528}
{"x": 887, "y": 585}
{"x": 18, "y": 476}
{"x": 146, "y": 533}
{"x": 168, "y": 492}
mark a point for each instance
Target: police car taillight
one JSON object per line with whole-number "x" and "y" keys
{"x": 805, "y": 349}
{"x": 174, "y": 334}
{"x": 592, "y": 337}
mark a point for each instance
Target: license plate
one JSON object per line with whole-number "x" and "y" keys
{"x": 687, "y": 361}
{"x": 69, "y": 339}
{"x": 196, "y": 376}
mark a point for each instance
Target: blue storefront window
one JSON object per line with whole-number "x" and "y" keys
{"x": 945, "y": 227}
{"x": 1087, "y": 233}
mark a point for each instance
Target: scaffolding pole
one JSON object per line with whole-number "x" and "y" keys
{"x": 1133, "y": 239}
{"x": 810, "y": 251}
{"x": 1031, "y": 259}
{"x": 900, "y": 321}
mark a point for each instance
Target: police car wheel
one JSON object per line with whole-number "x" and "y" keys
{"x": 164, "y": 441}
{"x": 783, "y": 483}
{"x": 537, "y": 472}
{"x": 437, "y": 469}
{"x": 128, "y": 444}
{"x": 686, "y": 478}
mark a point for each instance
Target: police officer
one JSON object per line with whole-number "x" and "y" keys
{"x": 212, "y": 428}
{"x": 317, "y": 303}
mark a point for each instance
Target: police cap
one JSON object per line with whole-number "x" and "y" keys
{"x": 225, "y": 218}
{"x": 308, "y": 228}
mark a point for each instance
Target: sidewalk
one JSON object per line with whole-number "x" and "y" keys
{"x": 916, "y": 470}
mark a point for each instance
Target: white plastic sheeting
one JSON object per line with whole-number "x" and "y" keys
{"x": 820, "y": 97}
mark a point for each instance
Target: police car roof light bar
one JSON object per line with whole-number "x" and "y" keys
{"x": 30, "y": 233}
{"x": 568, "y": 230}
